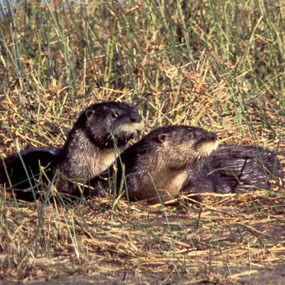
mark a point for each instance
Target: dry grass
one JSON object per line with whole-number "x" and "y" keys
{"x": 220, "y": 240}
{"x": 208, "y": 64}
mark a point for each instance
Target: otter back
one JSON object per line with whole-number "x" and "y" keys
{"x": 234, "y": 169}
{"x": 27, "y": 170}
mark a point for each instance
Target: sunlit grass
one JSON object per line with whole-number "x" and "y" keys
{"x": 216, "y": 64}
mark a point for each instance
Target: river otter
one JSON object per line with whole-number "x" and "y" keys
{"x": 101, "y": 131}
{"x": 156, "y": 168}
{"x": 27, "y": 170}
{"x": 234, "y": 169}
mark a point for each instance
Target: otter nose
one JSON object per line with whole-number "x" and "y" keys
{"x": 135, "y": 118}
{"x": 212, "y": 136}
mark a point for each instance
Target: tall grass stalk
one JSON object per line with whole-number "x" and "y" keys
{"x": 216, "y": 64}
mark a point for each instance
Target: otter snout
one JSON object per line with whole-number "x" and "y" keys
{"x": 135, "y": 117}
{"x": 212, "y": 136}
{"x": 206, "y": 144}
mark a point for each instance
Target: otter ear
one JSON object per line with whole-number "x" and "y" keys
{"x": 161, "y": 138}
{"x": 89, "y": 113}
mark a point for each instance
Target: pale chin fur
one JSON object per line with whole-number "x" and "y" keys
{"x": 132, "y": 127}
{"x": 206, "y": 148}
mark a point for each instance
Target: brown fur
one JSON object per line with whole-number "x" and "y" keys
{"x": 155, "y": 168}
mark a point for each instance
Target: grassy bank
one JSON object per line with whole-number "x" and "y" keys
{"x": 215, "y": 64}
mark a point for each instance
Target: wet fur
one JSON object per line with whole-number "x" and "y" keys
{"x": 234, "y": 169}
{"x": 27, "y": 170}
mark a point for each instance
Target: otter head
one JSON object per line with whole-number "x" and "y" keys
{"x": 109, "y": 123}
{"x": 177, "y": 147}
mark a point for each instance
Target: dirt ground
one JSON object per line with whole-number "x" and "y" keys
{"x": 273, "y": 275}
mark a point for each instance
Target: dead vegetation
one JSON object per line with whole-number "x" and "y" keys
{"x": 219, "y": 67}
{"x": 223, "y": 239}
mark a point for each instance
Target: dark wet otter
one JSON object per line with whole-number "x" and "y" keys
{"x": 27, "y": 170}
{"x": 234, "y": 169}
{"x": 101, "y": 131}
{"x": 156, "y": 167}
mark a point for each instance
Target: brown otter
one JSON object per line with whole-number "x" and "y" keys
{"x": 101, "y": 131}
{"x": 156, "y": 168}
{"x": 234, "y": 169}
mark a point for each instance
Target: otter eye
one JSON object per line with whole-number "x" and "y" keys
{"x": 89, "y": 113}
{"x": 114, "y": 114}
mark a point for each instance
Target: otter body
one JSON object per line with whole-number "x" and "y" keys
{"x": 27, "y": 170}
{"x": 101, "y": 132}
{"x": 156, "y": 168}
{"x": 234, "y": 169}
